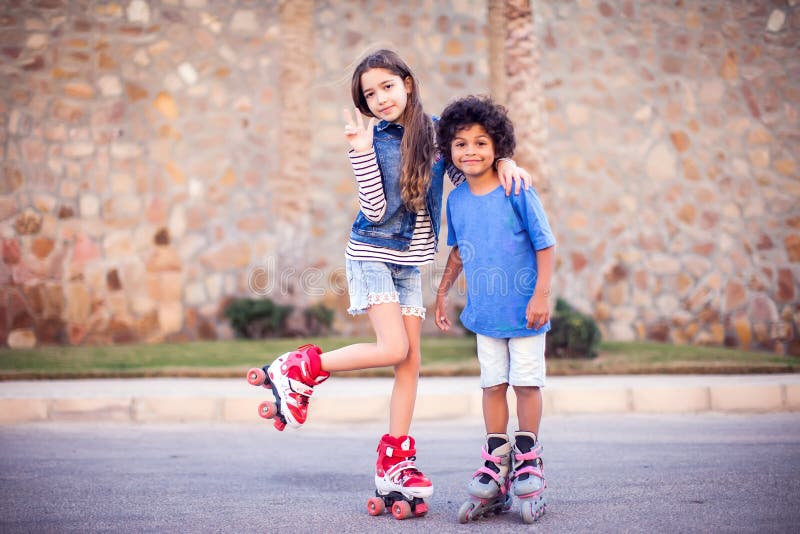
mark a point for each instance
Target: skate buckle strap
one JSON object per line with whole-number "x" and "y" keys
{"x": 399, "y": 453}
{"x": 399, "y": 469}
{"x": 300, "y": 388}
{"x": 486, "y": 471}
{"x": 486, "y": 456}
{"x": 533, "y": 454}
{"x": 529, "y": 469}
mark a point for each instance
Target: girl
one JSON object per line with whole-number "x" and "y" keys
{"x": 400, "y": 179}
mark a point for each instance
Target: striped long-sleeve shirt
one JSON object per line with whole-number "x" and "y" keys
{"x": 372, "y": 200}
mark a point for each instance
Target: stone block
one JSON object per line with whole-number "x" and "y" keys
{"x": 349, "y": 409}
{"x": 109, "y": 409}
{"x": 22, "y": 410}
{"x": 577, "y": 401}
{"x": 244, "y": 410}
{"x": 671, "y": 399}
{"x": 175, "y": 409}
{"x": 792, "y": 397}
{"x": 746, "y": 399}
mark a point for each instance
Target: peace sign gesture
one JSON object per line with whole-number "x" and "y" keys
{"x": 360, "y": 138}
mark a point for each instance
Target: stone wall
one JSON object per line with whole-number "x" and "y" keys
{"x": 162, "y": 156}
{"x": 152, "y": 158}
{"x": 674, "y": 135}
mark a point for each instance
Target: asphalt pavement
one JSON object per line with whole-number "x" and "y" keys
{"x": 367, "y": 399}
{"x": 707, "y": 472}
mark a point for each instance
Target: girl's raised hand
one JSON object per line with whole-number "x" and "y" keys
{"x": 359, "y": 137}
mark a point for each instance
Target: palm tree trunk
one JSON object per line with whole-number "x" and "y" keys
{"x": 516, "y": 83}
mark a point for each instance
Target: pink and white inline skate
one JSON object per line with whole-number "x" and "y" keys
{"x": 292, "y": 378}
{"x": 489, "y": 487}
{"x": 400, "y": 486}
{"x": 528, "y": 481}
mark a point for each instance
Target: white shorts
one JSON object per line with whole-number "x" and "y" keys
{"x": 518, "y": 361}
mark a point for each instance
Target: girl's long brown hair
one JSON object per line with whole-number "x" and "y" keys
{"x": 417, "y": 150}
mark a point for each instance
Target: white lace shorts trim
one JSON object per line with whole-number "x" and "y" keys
{"x": 376, "y": 298}
{"x": 413, "y": 311}
{"x": 383, "y": 298}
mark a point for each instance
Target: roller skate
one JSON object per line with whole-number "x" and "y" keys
{"x": 292, "y": 377}
{"x": 400, "y": 486}
{"x": 528, "y": 482}
{"x": 489, "y": 486}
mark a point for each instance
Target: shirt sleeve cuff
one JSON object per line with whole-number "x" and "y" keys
{"x": 358, "y": 155}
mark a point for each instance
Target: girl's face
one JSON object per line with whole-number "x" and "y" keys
{"x": 386, "y": 93}
{"x": 472, "y": 151}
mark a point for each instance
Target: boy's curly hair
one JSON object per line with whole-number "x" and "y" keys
{"x": 470, "y": 110}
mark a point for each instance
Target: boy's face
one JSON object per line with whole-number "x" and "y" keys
{"x": 472, "y": 151}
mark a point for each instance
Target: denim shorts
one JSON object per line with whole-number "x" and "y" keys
{"x": 518, "y": 361}
{"x": 377, "y": 282}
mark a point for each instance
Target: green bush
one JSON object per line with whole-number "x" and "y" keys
{"x": 251, "y": 318}
{"x": 319, "y": 319}
{"x": 572, "y": 334}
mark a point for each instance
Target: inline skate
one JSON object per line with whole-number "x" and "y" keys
{"x": 489, "y": 487}
{"x": 528, "y": 481}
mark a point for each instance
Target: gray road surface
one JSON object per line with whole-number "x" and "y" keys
{"x": 633, "y": 473}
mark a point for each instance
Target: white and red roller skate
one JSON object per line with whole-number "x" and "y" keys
{"x": 528, "y": 481}
{"x": 292, "y": 377}
{"x": 400, "y": 486}
{"x": 489, "y": 487}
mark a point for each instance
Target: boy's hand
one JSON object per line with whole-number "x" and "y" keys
{"x": 359, "y": 137}
{"x": 538, "y": 311}
{"x": 510, "y": 174}
{"x": 441, "y": 319}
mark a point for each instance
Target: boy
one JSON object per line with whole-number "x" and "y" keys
{"x": 506, "y": 248}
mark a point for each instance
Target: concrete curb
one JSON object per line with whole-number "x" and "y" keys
{"x": 349, "y": 400}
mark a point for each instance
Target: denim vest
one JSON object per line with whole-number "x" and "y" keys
{"x": 396, "y": 227}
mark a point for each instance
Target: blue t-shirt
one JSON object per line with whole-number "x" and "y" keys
{"x": 497, "y": 237}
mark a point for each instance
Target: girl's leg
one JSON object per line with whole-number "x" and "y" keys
{"x": 495, "y": 409}
{"x": 390, "y": 348}
{"x": 395, "y": 469}
{"x": 529, "y": 408}
{"x": 406, "y": 377}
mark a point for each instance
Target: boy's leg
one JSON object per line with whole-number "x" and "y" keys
{"x": 527, "y": 376}
{"x": 495, "y": 409}
{"x": 529, "y": 408}
{"x": 494, "y": 361}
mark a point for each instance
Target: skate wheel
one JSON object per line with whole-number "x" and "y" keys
{"x": 278, "y": 424}
{"x": 421, "y": 509}
{"x": 376, "y": 506}
{"x": 465, "y": 512}
{"x": 267, "y": 410}
{"x": 526, "y": 510}
{"x": 531, "y": 511}
{"x": 401, "y": 510}
{"x": 256, "y": 376}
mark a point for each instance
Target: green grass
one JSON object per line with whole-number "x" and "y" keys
{"x": 441, "y": 356}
